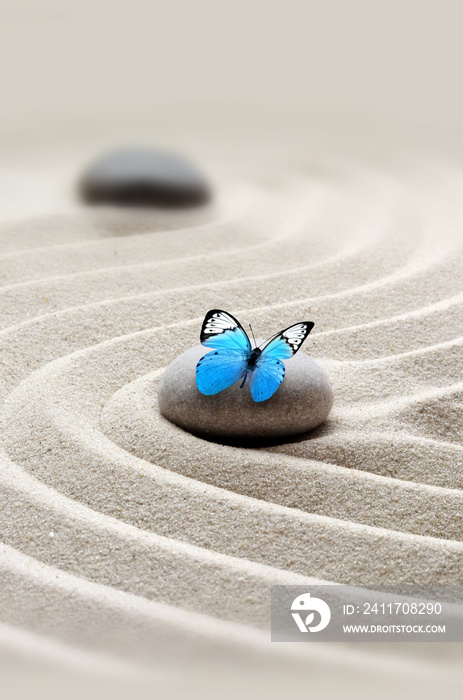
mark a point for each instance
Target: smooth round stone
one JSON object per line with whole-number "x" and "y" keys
{"x": 143, "y": 177}
{"x": 303, "y": 401}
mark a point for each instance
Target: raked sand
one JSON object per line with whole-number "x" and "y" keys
{"x": 124, "y": 537}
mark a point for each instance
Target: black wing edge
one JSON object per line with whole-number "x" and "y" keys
{"x": 309, "y": 324}
{"x": 209, "y": 314}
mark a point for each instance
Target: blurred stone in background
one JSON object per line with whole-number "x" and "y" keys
{"x": 144, "y": 177}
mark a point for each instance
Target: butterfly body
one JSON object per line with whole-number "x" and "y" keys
{"x": 234, "y": 358}
{"x": 254, "y": 359}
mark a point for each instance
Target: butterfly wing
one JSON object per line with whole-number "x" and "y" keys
{"x": 227, "y": 364}
{"x": 286, "y": 344}
{"x": 219, "y": 369}
{"x": 266, "y": 378}
{"x": 270, "y": 370}
{"x": 221, "y": 330}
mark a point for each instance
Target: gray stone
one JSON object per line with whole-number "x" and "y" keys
{"x": 302, "y": 402}
{"x": 143, "y": 177}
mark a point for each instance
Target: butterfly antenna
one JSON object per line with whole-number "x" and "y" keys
{"x": 266, "y": 342}
{"x": 255, "y": 344}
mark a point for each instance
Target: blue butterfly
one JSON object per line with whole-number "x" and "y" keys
{"x": 234, "y": 358}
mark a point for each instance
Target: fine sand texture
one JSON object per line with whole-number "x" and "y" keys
{"x": 126, "y": 541}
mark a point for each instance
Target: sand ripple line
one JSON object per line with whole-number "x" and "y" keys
{"x": 138, "y": 528}
{"x": 123, "y": 314}
{"x": 303, "y": 271}
{"x": 128, "y": 316}
{"x": 124, "y": 623}
{"x": 305, "y": 483}
{"x": 394, "y": 405}
{"x": 61, "y": 532}
{"x": 225, "y": 259}
{"x": 254, "y": 232}
{"x": 281, "y": 536}
{"x": 395, "y": 453}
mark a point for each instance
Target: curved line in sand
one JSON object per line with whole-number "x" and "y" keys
{"x": 69, "y": 426}
{"x": 403, "y": 272}
{"x": 68, "y": 404}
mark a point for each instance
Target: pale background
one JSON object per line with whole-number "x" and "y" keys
{"x": 71, "y": 64}
{"x": 213, "y": 79}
